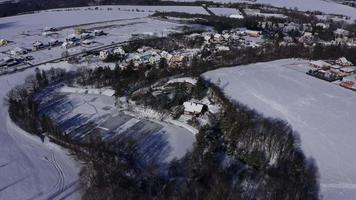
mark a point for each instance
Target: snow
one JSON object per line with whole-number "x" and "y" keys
{"x": 30, "y": 169}
{"x": 192, "y": 107}
{"x": 77, "y": 90}
{"x": 78, "y": 110}
{"x": 120, "y": 24}
{"x": 328, "y": 7}
{"x": 227, "y": 12}
{"x": 323, "y": 113}
{"x": 190, "y": 80}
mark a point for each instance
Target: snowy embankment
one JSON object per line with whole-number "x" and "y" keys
{"x": 323, "y": 113}
{"x": 30, "y": 168}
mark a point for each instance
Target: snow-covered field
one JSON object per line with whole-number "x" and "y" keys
{"x": 324, "y": 114}
{"x": 30, "y": 169}
{"x": 224, "y": 11}
{"x": 119, "y": 22}
{"x": 77, "y": 109}
{"x": 327, "y": 7}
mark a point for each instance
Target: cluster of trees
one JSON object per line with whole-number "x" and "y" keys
{"x": 243, "y": 156}
{"x": 23, "y": 107}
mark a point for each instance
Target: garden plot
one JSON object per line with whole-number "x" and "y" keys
{"x": 323, "y": 114}
{"x": 84, "y": 115}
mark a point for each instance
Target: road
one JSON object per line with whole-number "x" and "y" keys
{"x": 30, "y": 169}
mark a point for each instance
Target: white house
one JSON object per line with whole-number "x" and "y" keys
{"x": 119, "y": 51}
{"x": 18, "y": 51}
{"x": 98, "y": 32}
{"x": 341, "y": 33}
{"x": 192, "y": 108}
{"x": 104, "y": 54}
{"x": 343, "y": 62}
{"x": 37, "y": 45}
{"x": 320, "y": 64}
{"x": 72, "y": 37}
{"x": 322, "y": 25}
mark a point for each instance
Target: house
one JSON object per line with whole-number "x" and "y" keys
{"x": 253, "y": 33}
{"x": 166, "y": 55}
{"x": 87, "y": 42}
{"x": 38, "y": 45}
{"x": 343, "y": 62}
{"x": 53, "y": 42}
{"x": 3, "y": 42}
{"x": 320, "y": 64}
{"x": 322, "y": 25}
{"x": 177, "y": 60}
{"x": 191, "y": 108}
{"x": 18, "y": 51}
{"x": 85, "y": 36}
{"x": 70, "y": 44}
{"x": 72, "y": 37}
{"x": 306, "y": 38}
{"x": 348, "y": 70}
{"x": 50, "y": 29}
{"x": 222, "y": 48}
{"x": 349, "y": 85}
{"x": 340, "y": 33}
{"x": 104, "y": 54}
{"x": 99, "y": 32}
{"x": 119, "y": 51}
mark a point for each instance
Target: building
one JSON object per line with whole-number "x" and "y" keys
{"x": 103, "y": 55}
{"x": 320, "y": 64}
{"x": 18, "y": 51}
{"x": 349, "y": 85}
{"x": 72, "y": 37}
{"x": 191, "y": 108}
{"x": 340, "y": 33}
{"x": 119, "y": 51}
{"x": 38, "y": 45}
{"x": 343, "y": 62}
{"x": 348, "y": 70}
{"x": 99, "y": 32}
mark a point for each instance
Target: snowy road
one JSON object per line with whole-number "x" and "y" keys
{"x": 30, "y": 169}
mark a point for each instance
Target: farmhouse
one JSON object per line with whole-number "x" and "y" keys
{"x": 99, "y": 32}
{"x": 191, "y": 108}
{"x": 18, "y": 51}
{"x": 349, "y": 85}
{"x": 348, "y": 70}
{"x": 343, "y": 62}
{"x": 320, "y": 64}
{"x": 37, "y": 45}
{"x": 104, "y": 54}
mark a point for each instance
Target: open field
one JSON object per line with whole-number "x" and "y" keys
{"x": 324, "y": 114}
{"x": 78, "y": 114}
{"x": 327, "y": 7}
{"x": 29, "y": 168}
{"x": 119, "y": 23}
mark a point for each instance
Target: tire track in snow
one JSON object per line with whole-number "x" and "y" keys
{"x": 59, "y": 186}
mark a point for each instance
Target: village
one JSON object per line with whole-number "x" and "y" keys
{"x": 340, "y": 71}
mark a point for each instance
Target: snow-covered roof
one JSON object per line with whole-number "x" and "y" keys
{"x": 190, "y": 80}
{"x": 348, "y": 69}
{"x": 320, "y": 63}
{"x": 193, "y": 107}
